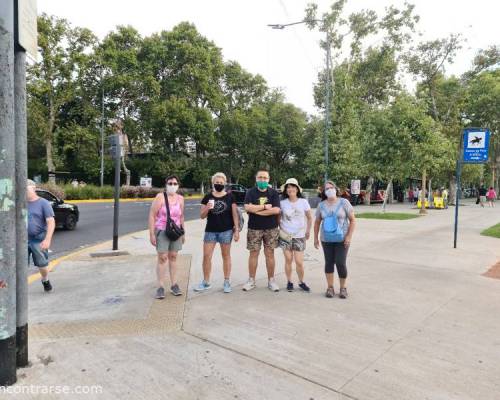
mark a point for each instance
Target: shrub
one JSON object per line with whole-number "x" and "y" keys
{"x": 89, "y": 192}
{"x": 57, "y": 191}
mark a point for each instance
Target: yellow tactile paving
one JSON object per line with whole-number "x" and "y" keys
{"x": 163, "y": 316}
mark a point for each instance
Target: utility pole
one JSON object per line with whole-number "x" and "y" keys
{"x": 7, "y": 198}
{"x": 102, "y": 134}
{"x": 116, "y": 214}
{"x": 21, "y": 212}
{"x": 116, "y": 152}
{"x": 327, "y": 104}
{"x": 327, "y": 94}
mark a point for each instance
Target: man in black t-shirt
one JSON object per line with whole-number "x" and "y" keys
{"x": 262, "y": 203}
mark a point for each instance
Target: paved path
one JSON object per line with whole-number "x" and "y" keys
{"x": 421, "y": 322}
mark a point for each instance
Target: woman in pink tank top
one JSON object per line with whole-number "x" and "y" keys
{"x": 167, "y": 249}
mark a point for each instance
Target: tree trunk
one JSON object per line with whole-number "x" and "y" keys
{"x": 422, "y": 197}
{"x": 48, "y": 144}
{"x": 429, "y": 192}
{"x": 368, "y": 191}
{"x": 434, "y": 106}
{"x": 453, "y": 190}
{"x": 127, "y": 172}
{"x": 50, "y": 161}
{"x": 493, "y": 174}
{"x": 388, "y": 192}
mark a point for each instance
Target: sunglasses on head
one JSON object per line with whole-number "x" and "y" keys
{"x": 172, "y": 184}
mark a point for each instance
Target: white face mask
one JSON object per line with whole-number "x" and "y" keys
{"x": 172, "y": 188}
{"x": 331, "y": 193}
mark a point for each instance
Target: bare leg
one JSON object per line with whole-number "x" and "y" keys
{"x": 252, "y": 263}
{"x": 208, "y": 251}
{"x": 44, "y": 272}
{"x": 299, "y": 264}
{"x": 288, "y": 264}
{"x": 172, "y": 262}
{"x": 226, "y": 259}
{"x": 329, "y": 279}
{"x": 160, "y": 268}
{"x": 342, "y": 282}
{"x": 270, "y": 263}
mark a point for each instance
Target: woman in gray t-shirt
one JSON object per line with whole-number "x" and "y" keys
{"x": 335, "y": 252}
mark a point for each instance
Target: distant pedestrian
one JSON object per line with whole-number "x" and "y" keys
{"x": 416, "y": 194}
{"x": 295, "y": 229}
{"x": 166, "y": 248}
{"x": 74, "y": 183}
{"x": 223, "y": 225}
{"x": 335, "y": 217}
{"x": 491, "y": 195}
{"x": 482, "y": 195}
{"x": 262, "y": 203}
{"x": 444, "y": 193}
{"x": 410, "y": 195}
{"x": 41, "y": 226}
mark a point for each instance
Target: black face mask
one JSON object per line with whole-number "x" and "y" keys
{"x": 218, "y": 187}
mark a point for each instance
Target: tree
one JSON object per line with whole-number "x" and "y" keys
{"x": 483, "y": 110}
{"x": 53, "y": 82}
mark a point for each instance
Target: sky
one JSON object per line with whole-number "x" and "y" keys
{"x": 289, "y": 59}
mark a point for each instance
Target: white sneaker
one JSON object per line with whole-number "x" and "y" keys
{"x": 273, "y": 286}
{"x": 249, "y": 285}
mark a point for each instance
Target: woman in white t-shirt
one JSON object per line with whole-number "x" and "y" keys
{"x": 295, "y": 229}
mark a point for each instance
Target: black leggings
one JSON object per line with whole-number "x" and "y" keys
{"x": 335, "y": 254}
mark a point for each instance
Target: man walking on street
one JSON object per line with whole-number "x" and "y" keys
{"x": 41, "y": 225}
{"x": 262, "y": 203}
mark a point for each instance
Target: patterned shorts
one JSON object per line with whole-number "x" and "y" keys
{"x": 298, "y": 244}
{"x": 255, "y": 237}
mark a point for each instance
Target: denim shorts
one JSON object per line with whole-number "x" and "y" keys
{"x": 219, "y": 237}
{"x": 40, "y": 257}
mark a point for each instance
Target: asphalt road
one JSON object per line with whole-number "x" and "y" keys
{"x": 96, "y": 224}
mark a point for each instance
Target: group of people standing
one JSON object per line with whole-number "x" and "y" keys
{"x": 272, "y": 222}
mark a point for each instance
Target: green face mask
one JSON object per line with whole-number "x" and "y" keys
{"x": 262, "y": 185}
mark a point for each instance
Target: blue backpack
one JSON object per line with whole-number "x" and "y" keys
{"x": 332, "y": 231}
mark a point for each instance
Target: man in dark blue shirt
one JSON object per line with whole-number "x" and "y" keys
{"x": 41, "y": 225}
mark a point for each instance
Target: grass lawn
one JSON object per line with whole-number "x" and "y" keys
{"x": 493, "y": 231}
{"x": 387, "y": 215}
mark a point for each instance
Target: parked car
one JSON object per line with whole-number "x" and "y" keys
{"x": 238, "y": 191}
{"x": 66, "y": 215}
{"x": 376, "y": 196}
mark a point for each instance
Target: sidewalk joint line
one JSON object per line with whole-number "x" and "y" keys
{"x": 269, "y": 364}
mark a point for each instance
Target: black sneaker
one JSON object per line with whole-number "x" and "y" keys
{"x": 176, "y": 290}
{"x": 289, "y": 286}
{"x": 47, "y": 286}
{"x": 160, "y": 293}
{"x": 330, "y": 293}
{"x": 343, "y": 293}
{"x": 304, "y": 287}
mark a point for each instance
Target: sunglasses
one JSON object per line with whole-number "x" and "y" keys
{"x": 172, "y": 184}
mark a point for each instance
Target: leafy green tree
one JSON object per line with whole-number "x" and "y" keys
{"x": 53, "y": 82}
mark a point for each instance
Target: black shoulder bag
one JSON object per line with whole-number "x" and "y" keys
{"x": 172, "y": 230}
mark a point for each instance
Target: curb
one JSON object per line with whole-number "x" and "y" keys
{"x": 54, "y": 263}
{"x": 195, "y": 197}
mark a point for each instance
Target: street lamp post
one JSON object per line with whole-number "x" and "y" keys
{"x": 327, "y": 93}
{"x": 102, "y": 133}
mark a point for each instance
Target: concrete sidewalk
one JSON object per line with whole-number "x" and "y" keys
{"x": 421, "y": 322}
